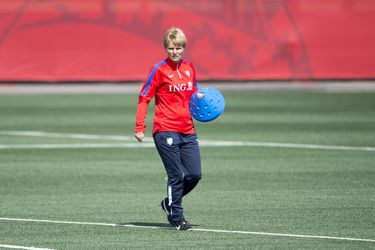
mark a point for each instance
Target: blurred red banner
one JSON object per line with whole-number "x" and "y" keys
{"x": 119, "y": 40}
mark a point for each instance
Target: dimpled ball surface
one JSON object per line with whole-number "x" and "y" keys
{"x": 209, "y": 107}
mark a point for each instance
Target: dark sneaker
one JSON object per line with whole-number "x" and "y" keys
{"x": 166, "y": 208}
{"x": 181, "y": 224}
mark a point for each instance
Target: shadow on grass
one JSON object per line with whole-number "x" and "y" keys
{"x": 148, "y": 224}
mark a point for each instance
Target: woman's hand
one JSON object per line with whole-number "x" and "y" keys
{"x": 139, "y": 136}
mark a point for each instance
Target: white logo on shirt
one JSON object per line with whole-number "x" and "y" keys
{"x": 169, "y": 141}
{"x": 187, "y": 73}
{"x": 190, "y": 86}
{"x": 181, "y": 87}
{"x": 170, "y": 76}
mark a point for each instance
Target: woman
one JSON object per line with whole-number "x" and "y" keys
{"x": 173, "y": 82}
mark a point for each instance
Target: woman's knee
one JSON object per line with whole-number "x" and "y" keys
{"x": 193, "y": 177}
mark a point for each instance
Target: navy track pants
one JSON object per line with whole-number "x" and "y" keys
{"x": 181, "y": 158}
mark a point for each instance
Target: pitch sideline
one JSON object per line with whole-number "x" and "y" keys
{"x": 148, "y": 142}
{"x": 322, "y": 237}
{"x": 23, "y": 247}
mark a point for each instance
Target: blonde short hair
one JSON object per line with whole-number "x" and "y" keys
{"x": 174, "y": 36}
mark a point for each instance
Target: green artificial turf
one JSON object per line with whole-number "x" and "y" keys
{"x": 297, "y": 191}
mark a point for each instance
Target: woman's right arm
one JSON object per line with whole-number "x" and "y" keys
{"x": 140, "y": 124}
{"x": 147, "y": 93}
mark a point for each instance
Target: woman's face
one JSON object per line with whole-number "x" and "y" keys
{"x": 175, "y": 52}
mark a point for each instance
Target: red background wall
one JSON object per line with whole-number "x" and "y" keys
{"x": 119, "y": 40}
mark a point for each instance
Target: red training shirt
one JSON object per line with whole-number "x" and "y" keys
{"x": 172, "y": 85}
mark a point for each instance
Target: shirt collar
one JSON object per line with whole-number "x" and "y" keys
{"x": 172, "y": 63}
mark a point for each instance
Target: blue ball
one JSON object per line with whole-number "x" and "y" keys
{"x": 209, "y": 107}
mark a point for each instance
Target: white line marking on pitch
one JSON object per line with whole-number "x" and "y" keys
{"x": 202, "y": 144}
{"x": 194, "y": 229}
{"x": 148, "y": 142}
{"x": 22, "y": 247}
{"x": 69, "y": 135}
{"x": 78, "y": 145}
